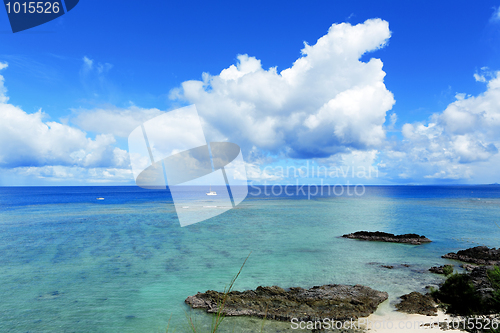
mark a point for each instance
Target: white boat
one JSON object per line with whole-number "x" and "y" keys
{"x": 211, "y": 192}
{"x": 99, "y": 198}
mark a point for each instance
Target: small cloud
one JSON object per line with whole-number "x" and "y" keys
{"x": 393, "y": 118}
{"x": 496, "y": 15}
{"x": 479, "y": 78}
{"x": 87, "y": 63}
{"x": 103, "y": 68}
{"x": 93, "y": 76}
{"x": 484, "y": 75}
{"x": 3, "y": 90}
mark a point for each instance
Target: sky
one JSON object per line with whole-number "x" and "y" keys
{"x": 323, "y": 92}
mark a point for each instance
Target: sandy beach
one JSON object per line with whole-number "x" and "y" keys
{"x": 386, "y": 320}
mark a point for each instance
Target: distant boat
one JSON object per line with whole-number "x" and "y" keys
{"x": 99, "y": 198}
{"x": 211, "y": 192}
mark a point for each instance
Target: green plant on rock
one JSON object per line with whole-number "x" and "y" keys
{"x": 459, "y": 294}
{"x": 494, "y": 277}
{"x": 447, "y": 270}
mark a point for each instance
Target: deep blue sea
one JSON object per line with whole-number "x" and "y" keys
{"x": 71, "y": 263}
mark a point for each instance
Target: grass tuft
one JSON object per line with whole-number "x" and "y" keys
{"x": 220, "y": 315}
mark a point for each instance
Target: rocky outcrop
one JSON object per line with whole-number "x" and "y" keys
{"x": 479, "y": 255}
{"x": 332, "y": 301}
{"x": 482, "y": 284}
{"x": 446, "y": 269}
{"x": 417, "y": 303}
{"x": 468, "y": 267}
{"x": 386, "y": 237}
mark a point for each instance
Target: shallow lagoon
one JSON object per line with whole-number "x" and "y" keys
{"x": 71, "y": 263}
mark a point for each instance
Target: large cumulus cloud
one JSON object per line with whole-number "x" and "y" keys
{"x": 327, "y": 102}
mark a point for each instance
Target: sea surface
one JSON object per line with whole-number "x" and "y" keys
{"x": 72, "y": 263}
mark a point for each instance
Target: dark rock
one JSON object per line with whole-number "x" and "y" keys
{"x": 468, "y": 267}
{"x": 440, "y": 269}
{"x": 339, "y": 302}
{"x": 387, "y": 266}
{"x": 417, "y": 303}
{"x": 479, "y": 255}
{"x": 480, "y": 280}
{"x": 386, "y": 237}
{"x": 436, "y": 269}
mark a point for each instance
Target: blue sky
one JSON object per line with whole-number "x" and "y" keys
{"x": 110, "y": 60}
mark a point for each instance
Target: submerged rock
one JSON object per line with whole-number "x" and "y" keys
{"x": 479, "y": 255}
{"x": 386, "y": 237}
{"x": 418, "y": 303}
{"x": 51, "y": 295}
{"x": 332, "y": 301}
{"x": 389, "y": 266}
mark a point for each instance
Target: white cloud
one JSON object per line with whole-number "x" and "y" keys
{"x": 57, "y": 174}
{"x": 479, "y": 114}
{"x": 93, "y": 76}
{"x": 454, "y": 143}
{"x": 3, "y": 90}
{"x": 112, "y": 120}
{"x": 393, "y": 119}
{"x": 496, "y": 15}
{"x": 87, "y": 64}
{"x": 479, "y": 78}
{"x": 27, "y": 140}
{"x": 327, "y": 102}
{"x": 484, "y": 75}
{"x": 30, "y": 141}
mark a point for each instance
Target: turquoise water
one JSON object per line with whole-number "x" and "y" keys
{"x": 71, "y": 263}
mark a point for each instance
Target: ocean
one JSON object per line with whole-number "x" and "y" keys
{"x": 71, "y": 263}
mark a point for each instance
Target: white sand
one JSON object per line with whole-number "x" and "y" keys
{"x": 387, "y": 320}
